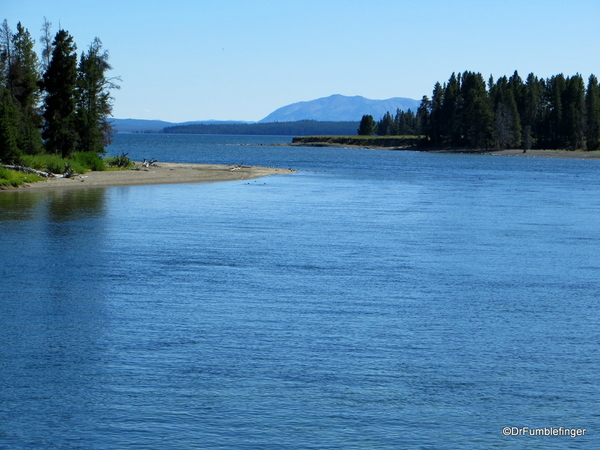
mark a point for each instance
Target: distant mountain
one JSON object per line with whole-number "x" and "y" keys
{"x": 340, "y": 108}
{"x": 157, "y": 126}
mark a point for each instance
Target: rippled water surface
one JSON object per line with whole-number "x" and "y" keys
{"x": 374, "y": 299}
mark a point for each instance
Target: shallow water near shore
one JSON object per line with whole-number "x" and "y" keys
{"x": 373, "y": 299}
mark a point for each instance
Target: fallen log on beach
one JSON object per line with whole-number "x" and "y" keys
{"x": 30, "y": 170}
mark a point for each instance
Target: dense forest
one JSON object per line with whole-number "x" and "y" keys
{"x": 57, "y": 104}
{"x": 558, "y": 112}
{"x": 298, "y": 128}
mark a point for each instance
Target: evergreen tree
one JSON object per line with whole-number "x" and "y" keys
{"x": 592, "y": 103}
{"x": 423, "y": 119}
{"x": 507, "y": 123}
{"x": 574, "y": 113}
{"x": 6, "y": 45}
{"x": 94, "y": 106}
{"x": 531, "y": 110}
{"x": 60, "y": 130}
{"x": 451, "y": 112}
{"x": 437, "y": 115}
{"x": 552, "y": 129}
{"x": 24, "y": 78}
{"x": 406, "y": 122}
{"x": 367, "y": 126}
{"x": 9, "y": 128}
{"x": 386, "y": 126}
{"x": 477, "y": 114}
{"x": 46, "y": 41}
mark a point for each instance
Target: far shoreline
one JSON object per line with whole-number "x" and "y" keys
{"x": 567, "y": 154}
{"x": 160, "y": 173}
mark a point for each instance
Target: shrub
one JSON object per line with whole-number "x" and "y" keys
{"x": 47, "y": 163}
{"x": 88, "y": 160}
{"x": 80, "y": 162}
{"x": 122, "y": 162}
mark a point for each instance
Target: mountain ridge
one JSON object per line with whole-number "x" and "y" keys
{"x": 335, "y": 108}
{"x": 340, "y": 108}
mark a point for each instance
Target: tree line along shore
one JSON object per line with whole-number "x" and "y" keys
{"x": 54, "y": 109}
{"x": 554, "y": 113}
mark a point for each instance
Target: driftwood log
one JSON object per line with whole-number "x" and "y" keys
{"x": 30, "y": 170}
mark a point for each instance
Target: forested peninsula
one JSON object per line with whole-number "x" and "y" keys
{"x": 466, "y": 112}
{"x": 54, "y": 110}
{"x": 296, "y": 128}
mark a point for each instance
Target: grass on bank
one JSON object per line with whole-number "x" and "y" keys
{"x": 15, "y": 178}
{"x": 79, "y": 162}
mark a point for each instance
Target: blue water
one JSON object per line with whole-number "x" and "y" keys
{"x": 372, "y": 300}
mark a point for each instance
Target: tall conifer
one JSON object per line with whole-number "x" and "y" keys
{"x": 24, "y": 81}
{"x": 592, "y": 103}
{"x": 94, "y": 106}
{"x": 60, "y": 79}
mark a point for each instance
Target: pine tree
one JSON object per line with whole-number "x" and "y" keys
{"x": 531, "y": 110}
{"x": 60, "y": 132}
{"x": 451, "y": 112}
{"x": 367, "y": 126}
{"x": 24, "y": 79}
{"x": 507, "y": 123}
{"x": 552, "y": 131}
{"x": 9, "y": 128}
{"x": 574, "y": 113}
{"x": 386, "y": 126}
{"x": 94, "y": 106}
{"x": 592, "y": 103}
{"x": 477, "y": 114}
{"x": 46, "y": 41}
{"x": 423, "y": 119}
{"x": 437, "y": 114}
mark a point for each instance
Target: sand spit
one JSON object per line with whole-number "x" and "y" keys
{"x": 161, "y": 173}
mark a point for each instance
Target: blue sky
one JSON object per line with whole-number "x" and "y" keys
{"x": 240, "y": 60}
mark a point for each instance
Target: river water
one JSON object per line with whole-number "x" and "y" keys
{"x": 374, "y": 299}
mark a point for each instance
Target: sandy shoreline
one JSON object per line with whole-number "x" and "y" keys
{"x": 162, "y": 173}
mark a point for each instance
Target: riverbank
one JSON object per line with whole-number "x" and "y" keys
{"x": 409, "y": 143}
{"x": 161, "y": 173}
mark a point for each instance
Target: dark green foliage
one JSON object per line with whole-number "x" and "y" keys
{"x": 507, "y": 121}
{"x": 424, "y": 122}
{"x": 9, "y": 129}
{"x": 74, "y": 122}
{"x": 555, "y": 113}
{"x": 387, "y": 126}
{"x": 89, "y": 160}
{"x": 451, "y": 113}
{"x": 367, "y": 126}
{"x": 24, "y": 83}
{"x": 121, "y": 162}
{"x": 477, "y": 117}
{"x": 406, "y": 123}
{"x": 60, "y": 130}
{"x": 79, "y": 162}
{"x": 592, "y": 104}
{"x": 94, "y": 105}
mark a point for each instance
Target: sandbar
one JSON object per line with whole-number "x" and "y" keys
{"x": 161, "y": 173}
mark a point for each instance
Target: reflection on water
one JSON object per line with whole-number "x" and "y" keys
{"x": 58, "y": 206}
